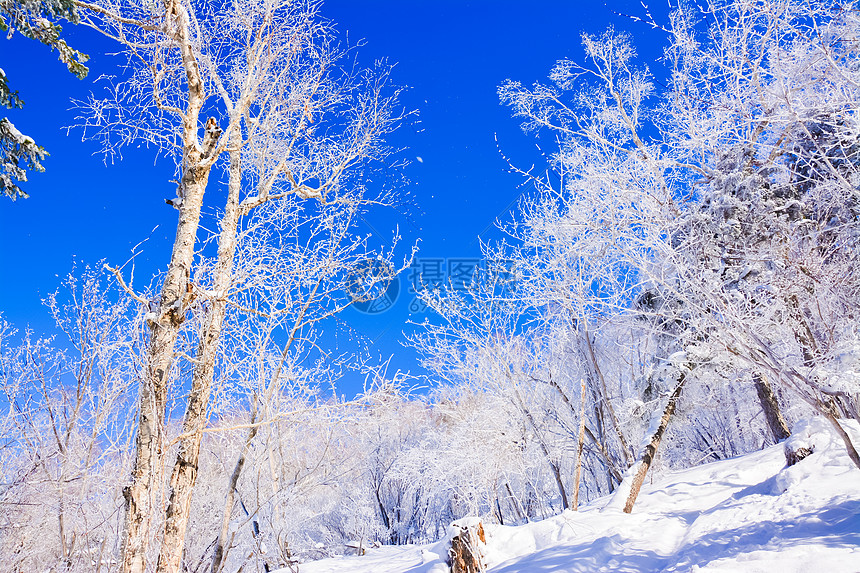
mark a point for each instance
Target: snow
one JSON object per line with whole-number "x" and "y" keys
{"x": 748, "y": 514}
{"x": 13, "y": 133}
{"x": 622, "y": 492}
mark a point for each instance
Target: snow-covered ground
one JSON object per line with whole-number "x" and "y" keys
{"x": 748, "y": 514}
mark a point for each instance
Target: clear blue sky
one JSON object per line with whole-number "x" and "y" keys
{"x": 451, "y": 54}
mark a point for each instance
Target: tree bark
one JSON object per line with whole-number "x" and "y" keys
{"x": 465, "y": 555}
{"x": 846, "y": 439}
{"x": 149, "y": 440}
{"x": 770, "y": 406}
{"x": 650, "y": 450}
{"x": 184, "y": 473}
{"x": 579, "y": 444}
{"x": 164, "y": 329}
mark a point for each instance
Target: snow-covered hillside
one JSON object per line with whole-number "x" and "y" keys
{"x": 749, "y": 514}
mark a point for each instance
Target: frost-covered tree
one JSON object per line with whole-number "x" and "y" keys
{"x": 722, "y": 207}
{"x": 481, "y": 343}
{"x": 771, "y": 234}
{"x": 286, "y": 122}
{"x": 64, "y": 435}
{"x": 37, "y": 21}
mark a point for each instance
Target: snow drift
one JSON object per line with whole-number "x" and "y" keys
{"x": 748, "y": 514}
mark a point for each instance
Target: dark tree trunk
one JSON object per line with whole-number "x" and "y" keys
{"x": 769, "y": 404}
{"x": 651, "y": 449}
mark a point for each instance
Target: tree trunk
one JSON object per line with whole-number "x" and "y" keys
{"x": 610, "y": 464}
{"x": 637, "y": 478}
{"x": 499, "y": 510}
{"x": 556, "y": 473}
{"x": 764, "y": 356}
{"x": 846, "y": 439}
{"x": 221, "y": 546}
{"x": 770, "y": 406}
{"x": 184, "y": 473}
{"x": 579, "y": 444}
{"x": 149, "y": 441}
{"x": 554, "y": 466}
{"x": 515, "y": 503}
{"x": 465, "y": 555}
{"x": 604, "y": 399}
{"x": 175, "y": 296}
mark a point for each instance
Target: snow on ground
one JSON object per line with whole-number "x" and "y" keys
{"x": 748, "y": 514}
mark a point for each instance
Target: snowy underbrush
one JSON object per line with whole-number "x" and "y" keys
{"x": 749, "y": 514}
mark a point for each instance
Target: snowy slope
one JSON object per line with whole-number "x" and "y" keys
{"x": 747, "y": 514}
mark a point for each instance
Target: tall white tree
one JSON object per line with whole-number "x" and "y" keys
{"x": 288, "y": 116}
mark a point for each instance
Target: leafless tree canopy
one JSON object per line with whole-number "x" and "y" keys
{"x": 680, "y": 285}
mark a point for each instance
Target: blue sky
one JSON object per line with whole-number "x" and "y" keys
{"x": 452, "y": 55}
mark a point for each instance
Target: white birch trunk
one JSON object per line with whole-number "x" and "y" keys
{"x": 184, "y": 473}
{"x": 149, "y": 441}
{"x": 196, "y": 165}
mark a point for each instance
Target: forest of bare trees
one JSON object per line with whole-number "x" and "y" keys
{"x": 679, "y": 285}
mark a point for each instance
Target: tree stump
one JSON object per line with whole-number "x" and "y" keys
{"x": 465, "y": 555}
{"x": 794, "y": 455}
